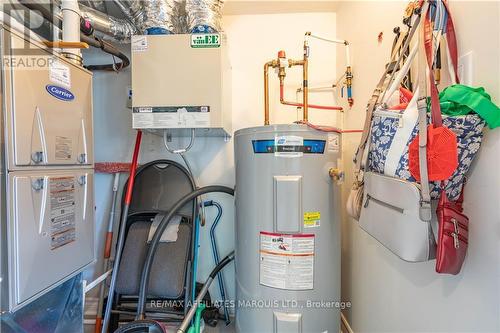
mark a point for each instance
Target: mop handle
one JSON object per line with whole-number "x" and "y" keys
{"x": 121, "y": 235}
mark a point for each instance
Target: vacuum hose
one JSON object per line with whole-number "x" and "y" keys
{"x": 204, "y": 290}
{"x": 141, "y": 304}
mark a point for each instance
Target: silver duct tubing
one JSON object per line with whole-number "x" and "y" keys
{"x": 119, "y": 29}
{"x": 147, "y": 14}
{"x": 175, "y": 16}
{"x": 156, "y": 15}
{"x": 204, "y": 14}
{"x": 178, "y": 16}
{"x": 94, "y": 4}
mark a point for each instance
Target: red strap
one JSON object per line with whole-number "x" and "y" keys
{"x": 452, "y": 41}
{"x": 437, "y": 120}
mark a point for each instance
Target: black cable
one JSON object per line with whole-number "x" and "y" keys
{"x": 146, "y": 270}
{"x": 108, "y": 48}
{"x": 222, "y": 264}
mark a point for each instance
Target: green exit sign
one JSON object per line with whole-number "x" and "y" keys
{"x": 205, "y": 40}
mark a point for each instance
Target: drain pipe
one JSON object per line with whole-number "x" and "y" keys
{"x": 71, "y": 29}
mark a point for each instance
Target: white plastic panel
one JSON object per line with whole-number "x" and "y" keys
{"x": 287, "y": 203}
{"x": 51, "y": 229}
{"x": 49, "y": 113}
{"x": 287, "y": 322}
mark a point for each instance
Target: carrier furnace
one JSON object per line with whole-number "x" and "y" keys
{"x": 287, "y": 230}
{"x": 46, "y": 170}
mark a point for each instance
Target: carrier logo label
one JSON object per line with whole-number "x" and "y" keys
{"x": 60, "y": 93}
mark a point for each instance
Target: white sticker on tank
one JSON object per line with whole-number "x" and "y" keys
{"x": 288, "y": 146}
{"x": 287, "y": 261}
{"x": 60, "y": 73}
{"x": 139, "y": 43}
{"x": 333, "y": 142}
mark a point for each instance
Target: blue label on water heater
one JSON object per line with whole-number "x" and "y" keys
{"x": 60, "y": 93}
{"x": 270, "y": 146}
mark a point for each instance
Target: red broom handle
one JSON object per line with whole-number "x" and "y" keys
{"x": 133, "y": 168}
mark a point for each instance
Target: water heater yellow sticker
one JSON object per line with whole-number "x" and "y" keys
{"x": 312, "y": 219}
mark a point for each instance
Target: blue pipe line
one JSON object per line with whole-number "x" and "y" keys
{"x": 195, "y": 260}
{"x": 215, "y": 252}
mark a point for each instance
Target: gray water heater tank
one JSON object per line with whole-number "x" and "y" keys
{"x": 287, "y": 230}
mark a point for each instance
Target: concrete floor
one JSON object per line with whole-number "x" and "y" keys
{"x": 221, "y": 328}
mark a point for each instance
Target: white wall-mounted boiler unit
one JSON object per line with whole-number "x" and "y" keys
{"x": 46, "y": 164}
{"x": 181, "y": 81}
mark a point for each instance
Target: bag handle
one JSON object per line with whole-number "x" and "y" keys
{"x": 430, "y": 51}
{"x": 451, "y": 50}
{"x": 358, "y": 156}
{"x": 451, "y": 40}
{"x": 423, "y": 66}
{"x": 425, "y": 62}
{"x": 401, "y": 74}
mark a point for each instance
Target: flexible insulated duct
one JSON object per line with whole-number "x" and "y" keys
{"x": 204, "y": 15}
{"x": 173, "y": 16}
{"x": 119, "y": 29}
{"x": 156, "y": 16}
{"x": 153, "y": 16}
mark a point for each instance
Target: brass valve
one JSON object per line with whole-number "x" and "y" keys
{"x": 336, "y": 174}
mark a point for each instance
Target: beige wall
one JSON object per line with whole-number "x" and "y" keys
{"x": 389, "y": 295}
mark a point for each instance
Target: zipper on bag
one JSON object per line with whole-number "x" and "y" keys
{"x": 457, "y": 225}
{"x": 382, "y": 203}
{"x": 456, "y": 238}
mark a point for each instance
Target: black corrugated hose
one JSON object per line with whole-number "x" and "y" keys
{"x": 146, "y": 270}
{"x": 108, "y": 48}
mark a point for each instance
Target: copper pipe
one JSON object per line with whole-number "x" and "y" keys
{"x": 266, "y": 91}
{"x": 305, "y": 85}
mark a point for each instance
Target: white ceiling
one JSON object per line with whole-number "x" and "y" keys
{"x": 242, "y": 7}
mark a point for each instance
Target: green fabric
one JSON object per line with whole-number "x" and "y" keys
{"x": 195, "y": 328}
{"x": 459, "y": 100}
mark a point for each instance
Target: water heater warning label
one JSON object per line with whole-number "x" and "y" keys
{"x": 287, "y": 261}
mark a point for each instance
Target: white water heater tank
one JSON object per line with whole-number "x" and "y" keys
{"x": 287, "y": 230}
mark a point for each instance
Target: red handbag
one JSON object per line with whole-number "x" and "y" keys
{"x": 453, "y": 234}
